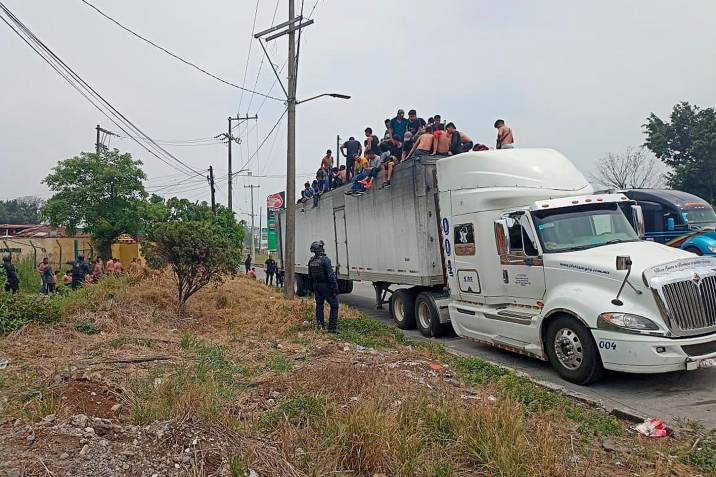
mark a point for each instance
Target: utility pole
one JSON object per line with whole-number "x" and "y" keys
{"x": 229, "y": 140}
{"x": 291, "y": 26}
{"x": 290, "y": 263}
{"x": 99, "y": 144}
{"x": 338, "y": 151}
{"x": 213, "y": 191}
{"x": 253, "y": 245}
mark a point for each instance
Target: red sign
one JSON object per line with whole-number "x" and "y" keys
{"x": 274, "y": 201}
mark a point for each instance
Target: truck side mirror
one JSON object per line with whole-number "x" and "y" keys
{"x": 670, "y": 224}
{"x": 638, "y": 216}
{"x": 502, "y": 237}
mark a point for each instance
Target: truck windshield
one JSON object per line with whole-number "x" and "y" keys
{"x": 582, "y": 227}
{"x": 699, "y": 214}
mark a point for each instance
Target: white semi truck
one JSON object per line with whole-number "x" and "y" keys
{"x": 512, "y": 248}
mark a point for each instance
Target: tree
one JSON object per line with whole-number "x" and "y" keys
{"x": 23, "y": 210}
{"x": 632, "y": 169}
{"x": 99, "y": 192}
{"x": 687, "y": 143}
{"x": 156, "y": 210}
{"x": 198, "y": 253}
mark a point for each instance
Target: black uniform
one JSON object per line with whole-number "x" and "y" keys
{"x": 247, "y": 263}
{"x": 270, "y": 267}
{"x": 325, "y": 288}
{"x": 12, "y": 282}
{"x": 80, "y": 269}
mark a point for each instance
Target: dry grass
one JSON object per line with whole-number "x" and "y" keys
{"x": 287, "y": 400}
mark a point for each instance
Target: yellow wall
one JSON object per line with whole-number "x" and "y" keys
{"x": 59, "y": 250}
{"x": 125, "y": 252}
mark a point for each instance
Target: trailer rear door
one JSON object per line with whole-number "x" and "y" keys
{"x": 339, "y": 222}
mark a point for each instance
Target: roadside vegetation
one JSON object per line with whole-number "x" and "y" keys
{"x": 260, "y": 389}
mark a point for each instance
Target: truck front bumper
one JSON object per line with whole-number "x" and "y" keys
{"x": 648, "y": 354}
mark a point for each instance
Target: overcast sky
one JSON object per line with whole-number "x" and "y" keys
{"x": 577, "y": 76}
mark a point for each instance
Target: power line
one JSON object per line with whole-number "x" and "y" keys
{"x": 174, "y": 55}
{"x": 248, "y": 57}
{"x": 76, "y": 81}
{"x": 264, "y": 140}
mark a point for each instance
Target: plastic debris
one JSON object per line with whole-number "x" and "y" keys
{"x": 653, "y": 428}
{"x": 435, "y": 366}
{"x": 4, "y": 362}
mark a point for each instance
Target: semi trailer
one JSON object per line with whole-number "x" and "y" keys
{"x": 512, "y": 248}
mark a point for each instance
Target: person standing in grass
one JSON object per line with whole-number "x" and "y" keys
{"x": 48, "y": 276}
{"x": 325, "y": 286}
{"x": 12, "y": 282}
{"x": 270, "y": 268}
{"x": 247, "y": 263}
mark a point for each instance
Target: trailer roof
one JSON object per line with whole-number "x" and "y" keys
{"x": 523, "y": 168}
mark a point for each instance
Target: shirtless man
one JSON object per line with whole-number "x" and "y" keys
{"x": 117, "y": 266}
{"x": 441, "y": 144}
{"x": 459, "y": 141}
{"x": 423, "y": 145}
{"x": 505, "y": 139}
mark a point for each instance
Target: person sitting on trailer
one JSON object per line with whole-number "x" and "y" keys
{"x": 306, "y": 193}
{"x": 424, "y": 144}
{"x": 337, "y": 178}
{"x": 388, "y": 167}
{"x": 441, "y": 143}
{"x": 364, "y": 179}
{"x": 407, "y": 146}
{"x": 459, "y": 141}
{"x": 505, "y": 138}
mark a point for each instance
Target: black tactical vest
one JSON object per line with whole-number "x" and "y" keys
{"x": 316, "y": 270}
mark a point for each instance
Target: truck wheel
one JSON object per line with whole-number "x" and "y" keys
{"x": 427, "y": 317}
{"x": 402, "y": 309}
{"x": 300, "y": 285}
{"x": 693, "y": 250}
{"x": 572, "y": 351}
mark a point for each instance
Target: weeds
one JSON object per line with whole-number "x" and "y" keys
{"x": 87, "y": 327}
{"x": 364, "y": 331}
{"x": 203, "y": 389}
{"x": 278, "y": 362}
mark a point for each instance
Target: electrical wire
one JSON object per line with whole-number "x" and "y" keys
{"x": 80, "y": 84}
{"x": 248, "y": 58}
{"x": 174, "y": 55}
{"x": 268, "y": 135}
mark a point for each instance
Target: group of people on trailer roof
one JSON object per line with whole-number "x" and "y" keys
{"x": 404, "y": 138}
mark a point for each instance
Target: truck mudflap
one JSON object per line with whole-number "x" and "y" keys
{"x": 647, "y": 354}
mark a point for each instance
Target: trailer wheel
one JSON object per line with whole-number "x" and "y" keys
{"x": 402, "y": 309}
{"x": 427, "y": 317}
{"x": 572, "y": 351}
{"x": 300, "y": 285}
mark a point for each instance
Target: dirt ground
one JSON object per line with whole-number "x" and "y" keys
{"x": 244, "y": 385}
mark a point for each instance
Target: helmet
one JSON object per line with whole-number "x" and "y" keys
{"x": 317, "y": 247}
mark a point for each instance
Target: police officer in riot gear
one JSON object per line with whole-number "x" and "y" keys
{"x": 325, "y": 286}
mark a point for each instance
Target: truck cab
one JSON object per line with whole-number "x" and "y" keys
{"x": 538, "y": 264}
{"x": 671, "y": 214}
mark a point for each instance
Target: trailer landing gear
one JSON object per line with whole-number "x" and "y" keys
{"x": 381, "y": 292}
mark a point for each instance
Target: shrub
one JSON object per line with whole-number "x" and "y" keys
{"x": 17, "y": 310}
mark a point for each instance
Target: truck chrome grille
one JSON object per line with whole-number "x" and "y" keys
{"x": 691, "y": 304}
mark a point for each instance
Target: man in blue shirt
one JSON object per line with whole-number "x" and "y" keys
{"x": 398, "y": 125}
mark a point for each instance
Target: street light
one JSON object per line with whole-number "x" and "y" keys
{"x": 332, "y": 95}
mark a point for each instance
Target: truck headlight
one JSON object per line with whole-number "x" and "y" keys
{"x": 712, "y": 248}
{"x": 626, "y": 322}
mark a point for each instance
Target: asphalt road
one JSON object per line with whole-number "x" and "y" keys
{"x": 668, "y": 396}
